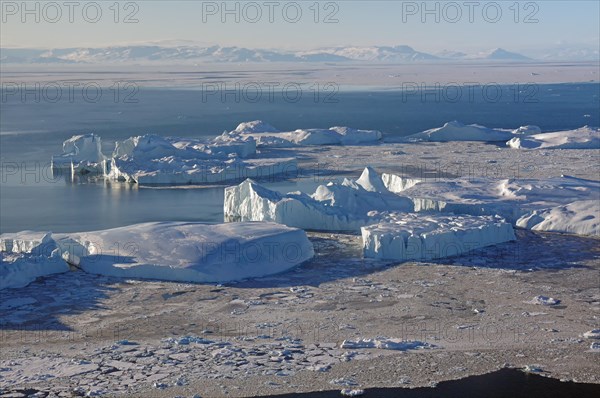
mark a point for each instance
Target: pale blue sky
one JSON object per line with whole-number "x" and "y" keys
{"x": 572, "y": 23}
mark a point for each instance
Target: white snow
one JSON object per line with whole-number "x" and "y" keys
{"x": 27, "y": 255}
{"x": 189, "y": 252}
{"x": 582, "y": 138}
{"x": 456, "y": 131}
{"x": 333, "y": 207}
{"x": 268, "y": 136}
{"x": 402, "y": 236}
{"x": 385, "y": 344}
{"x": 82, "y": 153}
{"x": 544, "y": 300}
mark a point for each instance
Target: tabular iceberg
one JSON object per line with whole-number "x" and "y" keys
{"x": 188, "y": 252}
{"x": 582, "y": 138}
{"x": 402, "y": 237}
{"x": 268, "y": 136}
{"x": 333, "y": 207}
{"x": 27, "y": 255}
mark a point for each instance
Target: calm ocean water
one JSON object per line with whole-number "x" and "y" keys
{"x": 31, "y": 132}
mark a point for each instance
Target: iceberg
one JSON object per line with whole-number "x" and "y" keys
{"x": 26, "y": 256}
{"x": 188, "y": 252}
{"x": 582, "y": 138}
{"x": 268, "y": 136}
{"x": 456, "y": 131}
{"x": 344, "y": 206}
{"x": 82, "y": 154}
{"x": 402, "y": 237}
{"x": 580, "y": 218}
{"x": 523, "y": 202}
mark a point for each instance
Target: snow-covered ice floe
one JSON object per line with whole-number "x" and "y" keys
{"x": 561, "y": 204}
{"x": 386, "y": 344}
{"x": 456, "y": 131}
{"x": 27, "y": 255}
{"x": 344, "y": 206}
{"x": 402, "y": 236}
{"x": 188, "y": 252}
{"x": 268, "y": 136}
{"x": 582, "y": 138}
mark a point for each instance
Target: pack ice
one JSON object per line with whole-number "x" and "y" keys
{"x": 26, "y": 256}
{"x": 582, "y": 138}
{"x": 268, "y": 136}
{"x": 344, "y": 206}
{"x": 188, "y": 252}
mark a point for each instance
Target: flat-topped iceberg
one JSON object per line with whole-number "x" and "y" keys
{"x": 26, "y": 256}
{"x": 516, "y": 200}
{"x": 344, "y": 206}
{"x": 402, "y": 236}
{"x": 81, "y": 154}
{"x": 582, "y": 138}
{"x": 456, "y": 131}
{"x": 188, "y": 252}
{"x": 268, "y": 136}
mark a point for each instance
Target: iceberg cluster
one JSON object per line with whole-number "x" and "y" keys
{"x": 267, "y": 135}
{"x": 389, "y": 228}
{"x": 344, "y": 206}
{"x": 582, "y": 138}
{"x": 173, "y": 251}
{"x": 456, "y": 131}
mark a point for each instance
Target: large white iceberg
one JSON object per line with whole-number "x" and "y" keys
{"x": 81, "y": 153}
{"x": 402, "y": 237}
{"x": 188, "y": 252}
{"x": 268, "y": 136}
{"x": 152, "y": 159}
{"x": 26, "y": 256}
{"x": 516, "y": 200}
{"x": 345, "y": 206}
{"x": 582, "y": 138}
{"x": 580, "y": 217}
{"x": 456, "y": 131}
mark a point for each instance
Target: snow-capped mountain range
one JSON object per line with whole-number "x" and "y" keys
{"x": 191, "y": 54}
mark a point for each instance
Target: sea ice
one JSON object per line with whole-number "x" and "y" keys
{"x": 26, "y": 256}
{"x": 402, "y": 236}
{"x": 342, "y": 206}
{"x": 582, "y": 138}
{"x": 189, "y": 252}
